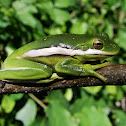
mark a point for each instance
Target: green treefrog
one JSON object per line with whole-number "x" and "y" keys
{"x": 64, "y": 54}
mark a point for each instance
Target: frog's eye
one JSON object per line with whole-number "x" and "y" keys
{"x": 98, "y": 44}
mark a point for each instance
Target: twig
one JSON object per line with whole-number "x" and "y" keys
{"x": 37, "y": 100}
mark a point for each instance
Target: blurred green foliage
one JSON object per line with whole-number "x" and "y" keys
{"x": 22, "y": 21}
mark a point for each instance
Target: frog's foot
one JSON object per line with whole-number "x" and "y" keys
{"x": 91, "y": 72}
{"x": 94, "y": 67}
{"x": 106, "y": 64}
{"x": 52, "y": 78}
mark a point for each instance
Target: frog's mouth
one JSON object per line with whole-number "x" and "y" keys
{"x": 64, "y": 51}
{"x": 93, "y": 55}
{"x": 96, "y": 52}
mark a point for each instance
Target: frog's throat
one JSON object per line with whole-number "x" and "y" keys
{"x": 62, "y": 51}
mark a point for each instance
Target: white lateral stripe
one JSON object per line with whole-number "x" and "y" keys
{"x": 17, "y": 68}
{"x": 62, "y": 51}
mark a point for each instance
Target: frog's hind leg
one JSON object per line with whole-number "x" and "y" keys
{"x": 74, "y": 67}
{"x": 20, "y": 69}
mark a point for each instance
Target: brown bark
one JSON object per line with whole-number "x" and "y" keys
{"x": 116, "y": 75}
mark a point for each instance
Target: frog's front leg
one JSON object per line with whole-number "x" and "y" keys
{"x": 18, "y": 69}
{"x": 75, "y": 67}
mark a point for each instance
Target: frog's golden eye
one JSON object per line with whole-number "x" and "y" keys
{"x": 98, "y": 44}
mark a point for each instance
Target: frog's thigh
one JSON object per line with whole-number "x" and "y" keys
{"x": 25, "y": 70}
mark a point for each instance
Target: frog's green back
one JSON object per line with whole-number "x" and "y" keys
{"x": 70, "y": 41}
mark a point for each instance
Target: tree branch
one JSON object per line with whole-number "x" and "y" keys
{"x": 115, "y": 73}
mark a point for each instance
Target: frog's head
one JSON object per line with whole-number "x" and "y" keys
{"x": 98, "y": 46}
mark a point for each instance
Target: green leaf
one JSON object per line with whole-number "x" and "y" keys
{"x": 45, "y": 6}
{"x": 25, "y": 13}
{"x": 78, "y": 105}
{"x": 79, "y": 27}
{"x": 28, "y": 113}
{"x": 2, "y": 121}
{"x": 9, "y": 48}
{"x": 109, "y": 29}
{"x": 111, "y": 89}
{"x": 114, "y": 4}
{"x": 124, "y": 87}
{"x": 56, "y": 30}
{"x": 93, "y": 90}
{"x": 57, "y": 95}
{"x": 120, "y": 93}
{"x": 69, "y": 94}
{"x": 7, "y": 104}
{"x": 90, "y": 116}
{"x": 64, "y": 3}
{"x": 58, "y": 115}
{"x": 29, "y": 1}
{"x": 59, "y": 16}
{"x": 121, "y": 38}
{"x": 5, "y": 3}
{"x": 1, "y": 109}
{"x": 3, "y": 23}
{"x": 16, "y": 96}
{"x": 120, "y": 118}
{"x": 39, "y": 122}
{"x": 124, "y": 5}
